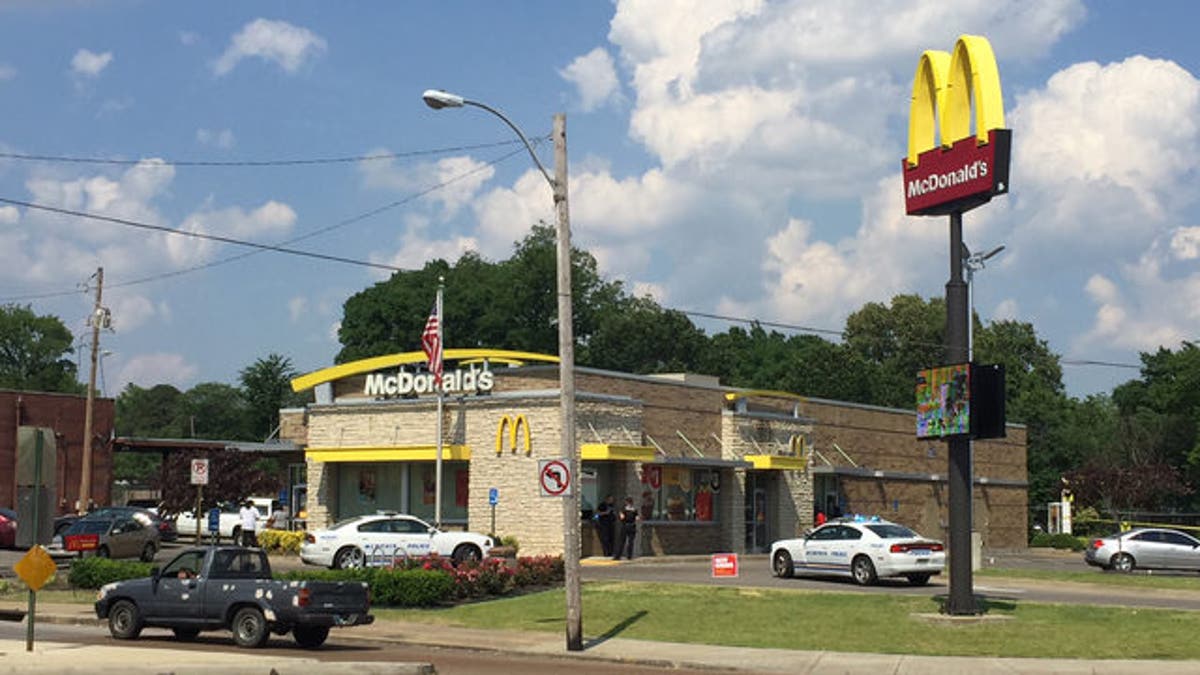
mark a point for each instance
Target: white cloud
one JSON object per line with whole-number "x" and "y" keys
{"x": 9, "y": 215}
{"x": 506, "y": 214}
{"x": 1008, "y": 310}
{"x": 297, "y": 307}
{"x": 457, "y": 179}
{"x": 1121, "y": 136}
{"x": 222, "y": 138}
{"x": 129, "y": 312}
{"x": 90, "y": 64}
{"x": 148, "y": 370}
{"x": 1185, "y": 243}
{"x": 415, "y": 250}
{"x": 7, "y": 72}
{"x": 272, "y": 219}
{"x": 595, "y": 76}
{"x": 188, "y": 38}
{"x": 279, "y": 42}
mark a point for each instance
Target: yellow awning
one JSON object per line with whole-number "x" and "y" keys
{"x": 394, "y": 453}
{"x": 776, "y": 462}
{"x": 620, "y": 453}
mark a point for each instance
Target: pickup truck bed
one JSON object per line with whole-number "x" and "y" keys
{"x": 230, "y": 588}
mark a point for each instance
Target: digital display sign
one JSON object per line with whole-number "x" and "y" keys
{"x": 963, "y": 399}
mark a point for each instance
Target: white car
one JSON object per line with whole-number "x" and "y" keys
{"x": 386, "y": 538}
{"x": 229, "y": 525}
{"x": 863, "y": 548}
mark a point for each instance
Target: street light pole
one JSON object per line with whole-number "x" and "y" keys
{"x": 437, "y": 100}
{"x": 972, "y": 263}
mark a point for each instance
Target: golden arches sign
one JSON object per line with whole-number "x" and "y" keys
{"x": 947, "y": 169}
{"x": 514, "y": 427}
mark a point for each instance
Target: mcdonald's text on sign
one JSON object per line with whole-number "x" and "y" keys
{"x": 949, "y": 168}
{"x": 554, "y": 477}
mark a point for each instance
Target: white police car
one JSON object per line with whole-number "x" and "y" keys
{"x": 386, "y": 538}
{"x": 863, "y": 548}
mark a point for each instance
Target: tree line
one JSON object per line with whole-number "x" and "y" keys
{"x": 1135, "y": 448}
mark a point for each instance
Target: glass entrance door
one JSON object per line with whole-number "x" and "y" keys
{"x": 756, "y": 513}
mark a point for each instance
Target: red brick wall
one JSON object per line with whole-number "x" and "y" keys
{"x": 64, "y": 413}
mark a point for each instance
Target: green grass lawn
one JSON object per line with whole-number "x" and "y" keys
{"x": 1095, "y": 576}
{"x": 835, "y": 621}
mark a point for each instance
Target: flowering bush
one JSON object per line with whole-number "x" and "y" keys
{"x": 280, "y": 541}
{"x": 542, "y": 570}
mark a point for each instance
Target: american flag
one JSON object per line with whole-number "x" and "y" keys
{"x": 431, "y": 343}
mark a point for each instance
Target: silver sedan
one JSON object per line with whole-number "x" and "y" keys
{"x": 1150, "y": 548}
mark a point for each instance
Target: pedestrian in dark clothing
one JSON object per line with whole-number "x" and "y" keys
{"x": 606, "y": 521}
{"x": 629, "y": 518}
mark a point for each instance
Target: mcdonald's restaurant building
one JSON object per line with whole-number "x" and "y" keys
{"x": 711, "y": 468}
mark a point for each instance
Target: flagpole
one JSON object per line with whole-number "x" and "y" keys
{"x": 437, "y": 490}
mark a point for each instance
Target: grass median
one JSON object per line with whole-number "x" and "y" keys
{"x": 850, "y": 622}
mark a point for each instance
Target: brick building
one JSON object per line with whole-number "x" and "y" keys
{"x": 711, "y": 468}
{"x": 63, "y": 413}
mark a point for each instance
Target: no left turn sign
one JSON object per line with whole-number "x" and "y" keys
{"x": 554, "y": 477}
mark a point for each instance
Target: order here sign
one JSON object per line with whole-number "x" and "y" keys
{"x": 724, "y": 565}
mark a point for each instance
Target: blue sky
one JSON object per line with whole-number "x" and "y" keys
{"x": 738, "y": 158}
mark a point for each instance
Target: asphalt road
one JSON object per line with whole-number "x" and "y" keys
{"x": 341, "y": 648}
{"x": 755, "y": 572}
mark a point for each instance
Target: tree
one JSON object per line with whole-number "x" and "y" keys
{"x": 513, "y": 303}
{"x": 216, "y": 411}
{"x": 232, "y": 476}
{"x": 267, "y": 386}
{"x": 150, "y": 413}
{"x": 35, "y": 352}
{"x": 901, "y": 339}
{"x": 636, "y": 335}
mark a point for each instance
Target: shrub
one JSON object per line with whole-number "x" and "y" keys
{"x": 397, "y": 587}
{"x": 1058, "y": 541}
{"x": 540, "y": 570}
{"x": 95, "y": 572}
{"x": 281, "y": 541}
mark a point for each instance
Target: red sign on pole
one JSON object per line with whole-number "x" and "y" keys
{"x": 81, "y": 542}
{"x": 724, "y": 565}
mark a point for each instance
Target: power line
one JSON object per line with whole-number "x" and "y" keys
{"x": 329, "y": 228}
{"x": 196, "y": 235}
{"x": 67, "y": 159}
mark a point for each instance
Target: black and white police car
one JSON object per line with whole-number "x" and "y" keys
{"x": 386, "y": 537}
{"x": 864, "y": 548}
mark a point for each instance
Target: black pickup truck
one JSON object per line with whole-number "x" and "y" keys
{"x": 230, "y": 587}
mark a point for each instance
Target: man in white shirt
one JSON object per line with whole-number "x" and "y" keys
{"x": 249, "y": 516}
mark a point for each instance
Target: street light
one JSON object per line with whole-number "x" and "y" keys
{"x": 972, "y": 263}
{"x": 437, "y": 99}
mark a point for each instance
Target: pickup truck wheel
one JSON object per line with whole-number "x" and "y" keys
{"x": 125, "y": 621}
{"x": 466, "y": 553}
{"x": 350, "y": 557}
{"x": 186, "y": 633}
{"x": 148, "y": 552}
{"x": 310, "y": 637}
{"x": 250, "y": 628}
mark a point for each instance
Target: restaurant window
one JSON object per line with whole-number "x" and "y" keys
{"x": 676, "y": 493}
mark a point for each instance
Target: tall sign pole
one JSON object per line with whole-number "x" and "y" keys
{"x": 441, "y": 397}
{"x": 949, "y": 170}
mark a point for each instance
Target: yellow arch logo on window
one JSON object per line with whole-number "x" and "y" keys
{"x": 515, "y": 427}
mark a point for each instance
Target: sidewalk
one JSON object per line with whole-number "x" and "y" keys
{"x": 68, "y": 658}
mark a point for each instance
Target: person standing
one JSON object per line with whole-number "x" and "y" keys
{"x": 629, "y": 518}
{"x": 606, "y": 520}
{"x": 249, "y": 516}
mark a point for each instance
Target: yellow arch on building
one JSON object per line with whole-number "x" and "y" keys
{"x": 370, "y": 365}
{"x": 514, "y": 427}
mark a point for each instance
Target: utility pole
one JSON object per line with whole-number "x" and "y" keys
{"x": 98, "y": 319}
{"x": 566, "y": 375}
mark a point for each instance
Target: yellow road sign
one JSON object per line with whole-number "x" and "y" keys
{"x": 35, "y": 568}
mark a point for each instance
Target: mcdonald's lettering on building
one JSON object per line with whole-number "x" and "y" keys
{"x": 949, "y": 167}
